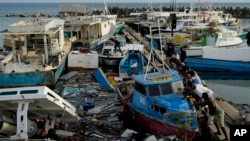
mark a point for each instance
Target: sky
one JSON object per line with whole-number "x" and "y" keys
{"x": 122, "y": 1}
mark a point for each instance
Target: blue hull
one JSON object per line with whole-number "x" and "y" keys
{"x": 127, "y": 61}
{"x": 224, "y": 75}
{"x": 31, "y": 78}
{"x": 157, "y": 104}
{"x": 101, "y": 79}
{"x": 202, "y": 64}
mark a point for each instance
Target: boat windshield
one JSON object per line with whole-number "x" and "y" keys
{"x": 154, "y": 90}
{"x": 165, "y": 89}
{"x": 106, "y": 51}
{"x": 140, "y": 88}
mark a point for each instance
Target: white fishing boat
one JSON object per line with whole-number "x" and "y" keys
{"x": 89, "y": 30}
{"x": 34, "y": 53}
{"x": 224, "y": 38}
{"x": 111, "y": 56}
{"x": 22, "y": 108}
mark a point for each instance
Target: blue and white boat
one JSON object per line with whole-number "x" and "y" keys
{"x": 134, "y": 63}
{"x": 226, "y": 68}
{"x": 157, "y": 104}
{"x": 229, "y": 54}
{"x": 34, "y": 53}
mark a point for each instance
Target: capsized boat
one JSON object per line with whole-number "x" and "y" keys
{"x": 101, "y": 78}
{"x": 34, "y": 53}
{"x": 23, "y": 108}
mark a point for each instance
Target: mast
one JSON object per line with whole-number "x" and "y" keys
{"x": 106, "y": 11}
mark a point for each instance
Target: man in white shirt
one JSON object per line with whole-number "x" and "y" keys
{"x": 199, "y": 89}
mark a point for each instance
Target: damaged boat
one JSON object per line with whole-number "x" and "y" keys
{"x": 157, "y": 103}
{"x": 33, "y": 112}
{"x": 34, "y": 53}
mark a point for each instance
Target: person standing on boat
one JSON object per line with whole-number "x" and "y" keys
{"x": 175, "y": 58}
{"x": 169, "y": 51}
{"x": 217, "y": 112}
{"x": 117, "y": 46}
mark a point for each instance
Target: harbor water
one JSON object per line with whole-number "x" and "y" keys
{"x": 236, "y": 91}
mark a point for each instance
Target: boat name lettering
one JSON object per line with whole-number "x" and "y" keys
{"x": 161, "y": 78}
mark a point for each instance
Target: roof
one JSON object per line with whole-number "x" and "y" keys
{"x": 158, "y": 77}
{"x": 87, "y": 20}
{"x": 37, "y": 26}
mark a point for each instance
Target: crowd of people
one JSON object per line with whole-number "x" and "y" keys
{"x": 202, "y": 97}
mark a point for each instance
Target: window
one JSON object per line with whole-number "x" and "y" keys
{"x": 140, "y": 88}
{"x": 158, "y": 108}
{"x": 178, "y": 87}
{"x": 166, "y": 89}
{"x": 29, "y": 92}
{"x": 155, "y": 107}
{"x": 9, "y": 93}
{"x": 154, "y": 90}
{"x": 163, "y": 110}
{"x": 106, "y": 51}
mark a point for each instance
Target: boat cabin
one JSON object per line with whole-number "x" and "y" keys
{"x": 158, "y": 85}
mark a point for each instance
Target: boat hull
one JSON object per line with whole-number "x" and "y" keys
{"x": 157, "y": 127}
{"x": 101, "y": 79}
{"x": 111, "y": 61}
{"x": 126, "y": 68}
{"x": 46, "y": 78}
{"x": 203, "y": 64}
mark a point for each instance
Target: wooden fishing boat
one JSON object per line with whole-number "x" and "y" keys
{"x": 34, "y": 53}
{"x": 156, "y": 103}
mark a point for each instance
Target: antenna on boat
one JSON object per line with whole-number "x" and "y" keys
{"x": 152, "y": 51}
{"x": 150, "y": 54}
{"x": 106, "y": 11}
{"x": 158, "y": 20}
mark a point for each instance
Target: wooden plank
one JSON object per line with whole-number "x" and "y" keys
{"x": 68, "y": 75}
